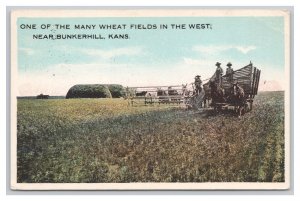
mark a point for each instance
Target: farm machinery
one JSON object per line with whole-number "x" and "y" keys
{"x": 246, "y": 78}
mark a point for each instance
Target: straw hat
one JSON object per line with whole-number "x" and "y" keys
{"x": 229, "y": 64}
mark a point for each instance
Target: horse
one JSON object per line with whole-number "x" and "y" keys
{"x": 187, "y": 90}
{"x": 217, "y": 94}
{"x": 172, "y": 92}
{"x": 150, "y": 97}
{"x": 207, "y": 96}
{"x": 142, "y": 93}
{"x": 130, "y": 94}
{"x": 238, "y": 98}
{"x": 163, "y": 96}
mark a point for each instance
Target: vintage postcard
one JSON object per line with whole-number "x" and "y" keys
{"x": 178, "y": 99}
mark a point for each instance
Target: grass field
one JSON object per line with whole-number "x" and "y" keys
{"x": 105, "y": 140}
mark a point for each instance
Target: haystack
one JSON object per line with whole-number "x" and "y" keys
{"x": 116, "y": 90}
{"x": 89, "y": 91}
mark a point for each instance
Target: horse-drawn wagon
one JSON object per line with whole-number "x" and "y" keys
{"x": 238, "y": 89}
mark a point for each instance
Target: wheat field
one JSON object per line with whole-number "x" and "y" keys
{"x": 105, "y": 140}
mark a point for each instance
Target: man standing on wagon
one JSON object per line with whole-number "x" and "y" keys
{"x": 219, "y": 73}
{"x": 229, "y": 72}
{"x": 198, "y": 83}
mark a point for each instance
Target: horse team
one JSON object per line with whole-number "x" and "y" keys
{"x": 169, "y": 95}
{"x": 214, "y": 96}
{"x": 235, "y": 96}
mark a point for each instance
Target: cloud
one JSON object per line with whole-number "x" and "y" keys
{"x": 216, "y": 49}
{"x": 245, "y": 49}
{"x": 26, "y": 51}
{"x": 108, "y": 54}
{"x": 57, "y": 79}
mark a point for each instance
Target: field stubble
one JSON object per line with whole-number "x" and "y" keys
{"x": 105, "y": 140}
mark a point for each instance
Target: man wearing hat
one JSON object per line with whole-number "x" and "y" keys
{"x": 198, "y": 83}
{"x": 219, "y": 73}
{"x": 229, "y": 72}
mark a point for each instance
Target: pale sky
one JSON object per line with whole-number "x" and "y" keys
{"x": 149, "y": 57}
